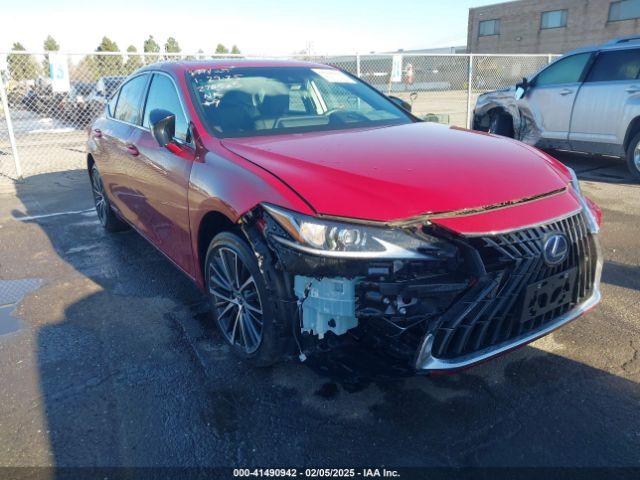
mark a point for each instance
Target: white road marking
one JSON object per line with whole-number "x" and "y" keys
{"x": 82, "y": 248}
{"x": 51, "y": 130}
{"x": 57, "y": 214}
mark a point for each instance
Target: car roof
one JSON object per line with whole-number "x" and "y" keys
{"x": 620, "y": 43}
{"x": 181, "y": 66}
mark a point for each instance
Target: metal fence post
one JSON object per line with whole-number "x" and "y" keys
{"x": 469, "y": 81}
{"x": 549, "y": 58}
{"x": 358, "y": 65}
{"x": 12, "y": 138}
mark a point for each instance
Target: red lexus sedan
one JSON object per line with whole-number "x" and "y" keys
{"x": 311, "y": 208}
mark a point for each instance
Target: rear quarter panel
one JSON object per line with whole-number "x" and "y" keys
{"x": 630, "y": 113}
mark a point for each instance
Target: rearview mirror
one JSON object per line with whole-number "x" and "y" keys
{"x": 163, "y": 126}
{"x": 401, "y": 103}
{"x": 521, "y": 88}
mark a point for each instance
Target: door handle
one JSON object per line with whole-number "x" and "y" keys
{"x": 633, "y": 89}
{"x": 132, "y": 150}
{"x": 566, "y": 91}
{"x": 97, "y": 133}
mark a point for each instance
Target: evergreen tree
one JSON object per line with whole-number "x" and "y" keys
{"x": 151, "y": 46}
{"x": 133, "y": 62}
{"x": 22, "y": 67}
{"x": 50, "y": 45}
{"x": 107, "y": 65}
{"x": 85, "y": 70}
{"x": 221, "y": 49}
{"x": 171, "y": 46}
{"x": 235, "y": 50}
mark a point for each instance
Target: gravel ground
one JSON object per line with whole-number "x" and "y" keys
{"x": 108, "y": 358}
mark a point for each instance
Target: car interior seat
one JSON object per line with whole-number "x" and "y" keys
{"x": 235, "y": 112}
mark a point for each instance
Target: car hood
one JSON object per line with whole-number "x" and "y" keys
{"x": 511, "y": 88}
{"x": 398, "y": 172}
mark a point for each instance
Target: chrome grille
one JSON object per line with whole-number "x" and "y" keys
{"x": 490, "y": 313}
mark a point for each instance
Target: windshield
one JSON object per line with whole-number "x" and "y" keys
{"x": 240, "y": 102}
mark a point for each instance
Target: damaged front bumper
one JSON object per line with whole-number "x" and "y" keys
{"x": 426, "y": 362}
{"x": 585, "y": 296}
{"x": 478, "y": 298}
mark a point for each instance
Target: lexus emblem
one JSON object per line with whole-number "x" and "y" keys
{"x": 555, "y": 249}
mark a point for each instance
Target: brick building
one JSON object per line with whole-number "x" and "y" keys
{"x": 550, "y": 26}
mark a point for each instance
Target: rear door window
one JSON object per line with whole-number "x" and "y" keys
{"x": 567, "y": 70}
{"x": 163, "y": 95}
{"x": 617, "y": 65}
{"x": 129, "y": 106}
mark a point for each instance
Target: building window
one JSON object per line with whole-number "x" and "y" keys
{"x": 554, "y": 19}
{"x": 489, "y": 27}
{"x": 624, "y": 10}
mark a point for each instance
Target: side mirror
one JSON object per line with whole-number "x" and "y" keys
{"x": 521, "y": 88}
{"x": 163, "y": 126}
{"x": 401, "y": 103}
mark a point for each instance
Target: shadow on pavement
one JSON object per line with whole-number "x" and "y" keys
{"x": 596, "y": 168}
{"x": 128, "y": 380}
{"x": 626, "y": 276}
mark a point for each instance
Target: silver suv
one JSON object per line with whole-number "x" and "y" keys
{"x": 586, "y": 101}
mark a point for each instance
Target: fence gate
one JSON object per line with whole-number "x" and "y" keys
{"x": 48, "y": 100}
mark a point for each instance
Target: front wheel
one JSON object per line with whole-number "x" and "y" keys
{"x": 633, "y": 157}
{"x": 244, "y": 313}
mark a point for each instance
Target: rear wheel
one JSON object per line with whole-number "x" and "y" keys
{"x": 501, "y": 123}
{"x": 106, "y": 215}
{"x": 244, "y": 312}
{"x": 633, "y": 157}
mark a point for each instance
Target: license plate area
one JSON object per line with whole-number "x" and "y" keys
{"x": 547, "y": 295}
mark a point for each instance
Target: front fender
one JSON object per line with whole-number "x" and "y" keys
{"x": 232, "y": 186}
{"x": 525, "y": 126}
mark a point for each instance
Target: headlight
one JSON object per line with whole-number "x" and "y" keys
{"x": 591, "y": 218}
{"x": 351, "y": 240}
{"x": 575, "y": 183}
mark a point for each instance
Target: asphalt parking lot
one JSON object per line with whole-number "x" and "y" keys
{"x": 108, "y": 358}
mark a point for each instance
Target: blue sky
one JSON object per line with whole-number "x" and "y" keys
{"x": 256, "y": 26}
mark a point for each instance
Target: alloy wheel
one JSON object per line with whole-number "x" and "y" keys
{"x": 99, "y": 196}
{"x": 636, "y": 157}
{"x": 236, "y": 298}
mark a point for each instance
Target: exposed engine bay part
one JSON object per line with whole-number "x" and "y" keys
{"x": 327, "y": 305}
{"x": 388, "y": 302}
{"x": 525, "y": 126}
{"x": 466, "y": 298}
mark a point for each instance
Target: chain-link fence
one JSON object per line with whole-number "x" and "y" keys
{"x": 48, "y": 100}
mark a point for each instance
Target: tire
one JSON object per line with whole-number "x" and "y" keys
{"x": 108, "y": 218}
{"x": 501, "y": 123}
{"x": 633, "y": 157}
{"x": 244, "y": 311}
